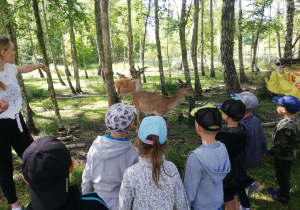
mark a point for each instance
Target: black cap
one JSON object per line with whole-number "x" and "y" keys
{"x": 46, "y": 164}
{"x": 234, "y": 108}
{"x": 208, "y": 117}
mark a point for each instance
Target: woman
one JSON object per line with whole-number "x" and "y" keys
{"x": 14, "y": 132}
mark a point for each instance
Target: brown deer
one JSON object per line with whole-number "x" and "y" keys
{"x": 150, "y": 103}
{"x": 130, "y": 85}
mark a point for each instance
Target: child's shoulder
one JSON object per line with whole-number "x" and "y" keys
{"x": 240, "y": 129}
{"x": 291, "y": 123}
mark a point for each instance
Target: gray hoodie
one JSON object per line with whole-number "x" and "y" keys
{"x": 107, "y": 160}
{"x": 205, "y": 170}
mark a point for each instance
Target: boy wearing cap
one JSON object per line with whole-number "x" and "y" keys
{"x": 46, "y": 167}
{"x": 234, "y": 138}
{"x": 110, "y": 155}
{"x": 284, "y": 145}
{"x": 256, "y": 144}
{"x": 208, "y": 165}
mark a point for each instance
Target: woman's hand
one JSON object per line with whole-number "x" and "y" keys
{"x": 3, "y": 106}
{"x": 45, "y": 69}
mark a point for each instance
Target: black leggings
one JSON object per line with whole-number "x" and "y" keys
{"x": 11, "y": 137}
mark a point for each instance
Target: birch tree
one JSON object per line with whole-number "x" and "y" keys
{"x": 108, "y": 73}
{"x": 194, "y": 47}
{"x": 158, "y": 47}
{"x": 231, "y": 81}
{"x": 182, "y": 25}
{"x": 289, "y": 22}
{"x": 40, "y": 38}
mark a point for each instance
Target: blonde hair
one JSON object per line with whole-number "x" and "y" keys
{"x": 4, "y": 43}
{"x": 155, "y": 152}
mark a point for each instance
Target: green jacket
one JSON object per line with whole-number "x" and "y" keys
{"x": 285, "y": 139}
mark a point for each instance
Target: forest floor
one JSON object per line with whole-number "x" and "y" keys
{"x": 83, "y": 117}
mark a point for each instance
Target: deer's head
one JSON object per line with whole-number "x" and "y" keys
{"x": 136, "y": 74}
{"x": 185, "y": 88}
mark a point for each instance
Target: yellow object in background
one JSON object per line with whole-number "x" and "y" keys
{"x": 285, "y": 80}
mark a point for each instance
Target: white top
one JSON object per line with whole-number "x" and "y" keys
{"x": 107, "y": 160}
{"x": 13, "y": 91}
{"x": 139, "y": 191}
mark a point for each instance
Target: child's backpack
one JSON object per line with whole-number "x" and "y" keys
{"x": 91, "y": 201}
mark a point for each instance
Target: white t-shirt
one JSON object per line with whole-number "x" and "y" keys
{"x": 13, "y": 91}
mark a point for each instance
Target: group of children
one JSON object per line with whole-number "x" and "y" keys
{"x": 119, "y": 175}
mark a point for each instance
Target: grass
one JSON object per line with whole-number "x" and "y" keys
{"x": 84, "y": 116}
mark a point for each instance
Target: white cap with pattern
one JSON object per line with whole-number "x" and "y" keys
{"x": 119, "y": 117}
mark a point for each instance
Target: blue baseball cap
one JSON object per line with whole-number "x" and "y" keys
{"x": 153, "y": 125}
{"x": 290, "y": 103}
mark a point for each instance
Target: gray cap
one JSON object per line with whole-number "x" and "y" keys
{"x": 249, "y": 99}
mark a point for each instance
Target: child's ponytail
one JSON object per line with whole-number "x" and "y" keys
{"x": 155, "y": 153}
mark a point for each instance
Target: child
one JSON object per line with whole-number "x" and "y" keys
{"x": 284, "y": 145}
{"x": 110, "y": 155}
{"x": 207, "y": 165}
{"x": 46, "y": 167}
{"x": 154, "y": 182}
{"x": 256, "y": 145}
{"x": 234, "y": 138}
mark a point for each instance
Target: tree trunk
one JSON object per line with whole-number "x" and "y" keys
{"x": 202, "y": 43}
{"x": 168, "y": 28}
{"x": 32, "y": 49}
{"x": 51, "y": 46}
{"x": 194, "y": 46}
{"x": 83, "y": 59}
{"x": 144, "y": 41}
{"x": 299, "y": 51}
{"x": 182, "y": 25}
{"x": 46, "y": 63}
{"x": 277, "y": 32}
{"x": 99, "y": 39}
{"x": 243, "y": 77}
{"x": 67, "y": 71}
{"x": 212, "y": 67}
{"x": 124, "y": 59}
{"x": 254, "y": 60}
{"x": 110, "y": 87}
{"x": 158, "y": 47}
{"x": 130, "y": 37}
{"x": 231, "y": 81}
{"x": 289, "y": 23}
{"x": 73, "y": 48}
{"x": 75, "y": 59}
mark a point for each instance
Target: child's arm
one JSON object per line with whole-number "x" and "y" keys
{"x": 263, "y": 141}
{"x": 86, "y": 185}
{"x": 192, "y": 177}
{"x": 126, "y": 193}
{"x": 180, "y": 195}
{"x": 280, "y": 142}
